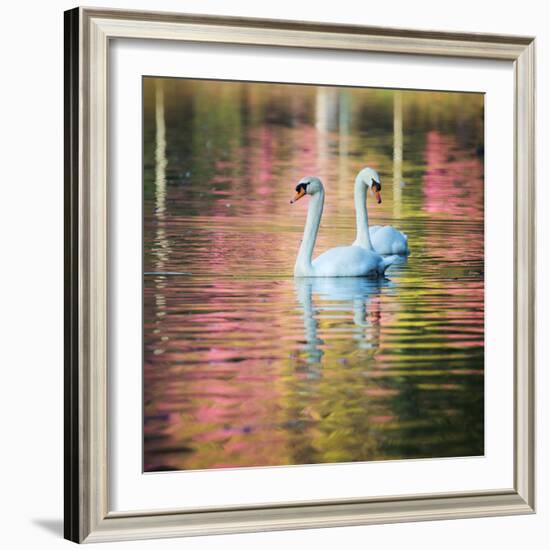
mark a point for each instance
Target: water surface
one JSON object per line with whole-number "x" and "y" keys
{"x": 246, "y": 366}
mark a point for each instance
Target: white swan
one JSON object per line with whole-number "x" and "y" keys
{"x": 382, "y": 239}
{"x": 342, "y": 261}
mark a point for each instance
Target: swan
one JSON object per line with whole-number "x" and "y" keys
{"x": 382, "y": 239}
{"x": 342, "y": 261}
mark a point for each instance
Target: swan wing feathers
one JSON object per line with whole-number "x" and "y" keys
{"x": 388, "y": 240}
{"x": 373, "y": 229}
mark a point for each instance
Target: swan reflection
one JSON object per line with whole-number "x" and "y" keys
{"x": 336, "y": 300}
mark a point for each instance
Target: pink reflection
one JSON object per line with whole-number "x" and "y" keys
{"x": 266, "y": 161}
{"x": 453, "y": 182}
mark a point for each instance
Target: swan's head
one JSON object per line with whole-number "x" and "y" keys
{"x": 307, "y": 186}
{"x": 371, "y": 179}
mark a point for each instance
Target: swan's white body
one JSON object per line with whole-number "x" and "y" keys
{"x": 383, "y": 239}
{"x": 347, "y": 261}
{"x": 342, "y": 261}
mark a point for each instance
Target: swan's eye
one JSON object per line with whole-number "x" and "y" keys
{"x": 376, "y": 185}
{"x": 302, "y": 187}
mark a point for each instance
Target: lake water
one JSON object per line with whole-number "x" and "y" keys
{"x": 245, "y": 365}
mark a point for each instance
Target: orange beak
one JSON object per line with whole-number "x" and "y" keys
{"x": 298, "y": 196}
{"x": 377, "y": 195}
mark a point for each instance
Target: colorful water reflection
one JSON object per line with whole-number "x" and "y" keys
{"x": 245, "y": 366}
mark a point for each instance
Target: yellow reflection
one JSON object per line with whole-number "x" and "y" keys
{"x": 160, "y": 202}
{"x": 326, "y": 121}
{"x": 397, "y": 152}
{"x": 344, "y": 124}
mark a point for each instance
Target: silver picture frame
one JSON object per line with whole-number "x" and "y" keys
{"x": 87, "y": 37}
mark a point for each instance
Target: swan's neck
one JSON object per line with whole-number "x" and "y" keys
{"x": 304, "y": 289}
{"x": 361, "y": 216}
{"x": 303, "y": 261}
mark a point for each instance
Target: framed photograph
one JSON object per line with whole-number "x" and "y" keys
{"x": 299, "y": 273}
